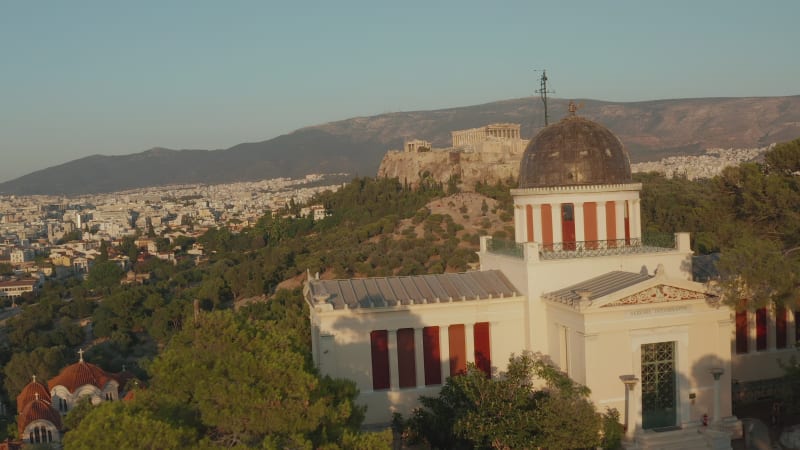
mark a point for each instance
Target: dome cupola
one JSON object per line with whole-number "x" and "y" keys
{"x": 573, "y": 152}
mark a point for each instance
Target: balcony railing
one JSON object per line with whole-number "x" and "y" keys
{"x": 504, "y": 247}
{"x": 651, "y": 243}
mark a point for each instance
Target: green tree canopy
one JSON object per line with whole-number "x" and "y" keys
{"x": 104, "y": 275}
{"x": 509, "y": 411}
{"x": 116, "y": 425}
{"x": 43, "y": 362}
{"x": 244, "y": 382}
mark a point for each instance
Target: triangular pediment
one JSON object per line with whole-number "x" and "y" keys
{"x": 662, "y": 293}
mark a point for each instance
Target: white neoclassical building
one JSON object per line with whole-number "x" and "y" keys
{"x": 579, "y": 285}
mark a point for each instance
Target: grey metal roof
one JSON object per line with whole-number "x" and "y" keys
{"x": 596, "y": 287}
{"x": 383, "y": 292}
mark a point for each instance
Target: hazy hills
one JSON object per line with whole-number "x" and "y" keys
{"x": 650, "y": 130}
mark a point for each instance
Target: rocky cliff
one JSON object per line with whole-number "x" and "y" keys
{"x": 492, "y": 160}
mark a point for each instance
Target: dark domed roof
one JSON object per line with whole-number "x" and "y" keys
{"x": 574, "y": 151}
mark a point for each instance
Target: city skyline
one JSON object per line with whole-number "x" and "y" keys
{"x": 93, "y": 78}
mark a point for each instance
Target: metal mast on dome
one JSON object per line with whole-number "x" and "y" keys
{"x": 542, "y": 91}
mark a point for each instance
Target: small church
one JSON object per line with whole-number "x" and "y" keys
{"x": 579, "y": 284}
{"x": 40, "y": 406}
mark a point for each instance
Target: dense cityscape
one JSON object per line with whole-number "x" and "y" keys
{"x": 44, "y": 236}
{"x": 56, "y": 237}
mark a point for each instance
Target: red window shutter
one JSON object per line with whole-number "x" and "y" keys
{"x": 458, "y": 349}
{"x": 547, "y": 227}
{"x": 780, "y": 327}
{"x": 741, "y": 331}
{"x": 432, "y": 356}
{"x": 380, "y": 359}
{"x": 406, "y": 363}
{"x": 483, "y": 355}
{"x": 590, "y": 224}
{"x": 761, "y": 329}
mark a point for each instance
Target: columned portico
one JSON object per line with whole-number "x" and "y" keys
{"x": 539, "y": 213}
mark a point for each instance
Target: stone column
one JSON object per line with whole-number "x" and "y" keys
{"x": 631, "y": 404}
{"x": 555, "y": 209}
{"x": 444, "y": 351}
{"x": 419, "y": 357}
{"x": 636, "y": 409}
{"x": 752, "y": 333}
{"x": 602, "y": 232}
{"x": 636, "y": 216}
{"x": 537, "y": 223}
{"x": 771, "y": 331}
{"x": 577, "y": 211}
{"x": 394, "y": 372}
{"x": 469, "y": 337}
{"x": 791, "y": 330}
{"x": 521, "y": 223}
{"x": 619, "y": 219}
{"x": 717, "y": 374}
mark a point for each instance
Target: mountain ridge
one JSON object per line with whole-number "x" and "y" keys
{"x": 649, "y": 129}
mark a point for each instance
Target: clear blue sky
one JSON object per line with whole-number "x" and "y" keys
{"x": 87, "y": 77}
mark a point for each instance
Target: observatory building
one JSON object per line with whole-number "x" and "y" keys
{"x": 579, "y": 284}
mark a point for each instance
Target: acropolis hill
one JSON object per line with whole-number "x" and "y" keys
{"x": 487, "y": 153}
{"x": 493, "y": 152}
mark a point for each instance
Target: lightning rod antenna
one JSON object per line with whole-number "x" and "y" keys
{"x": 542, "y": 91}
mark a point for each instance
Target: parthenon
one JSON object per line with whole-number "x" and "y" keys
{"x": 462, "y": 138}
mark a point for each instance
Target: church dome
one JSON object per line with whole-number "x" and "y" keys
{"x": 80, "y": 374}
{"x": 573, "y": 152}
{"x": 33, "y": 390}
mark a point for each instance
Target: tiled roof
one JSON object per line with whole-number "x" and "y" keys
{"x": 596, "y": 287}
{"x": 29, "y": 392}
{"x": 383, "y": 292}
{"x": 38, "y": 409}
{"x": 80, "y": 374}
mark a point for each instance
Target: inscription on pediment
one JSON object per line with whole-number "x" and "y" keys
{"x": 659, "y": 294}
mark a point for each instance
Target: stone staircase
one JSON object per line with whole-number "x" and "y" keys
{"x": 688, "y": 437}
